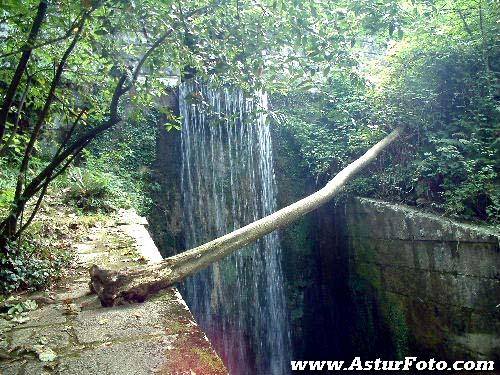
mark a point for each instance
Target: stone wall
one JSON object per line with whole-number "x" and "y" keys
{"x": 429, "y": 286}
{"x": 294, "y": 182}
{"x": 166, "y": 216}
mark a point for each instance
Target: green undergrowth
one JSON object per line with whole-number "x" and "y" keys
{"x": 114, "y": 173}
{"x": 41, "y": 256}
{"x": 93, "y": 190}
{"x": 444, "y": 91}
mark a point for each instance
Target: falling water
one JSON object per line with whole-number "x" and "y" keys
{"x": 228, "y": 181}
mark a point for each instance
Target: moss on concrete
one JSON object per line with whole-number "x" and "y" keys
{"x": 394, "y": 314}
{"x": 207, "y": 358}
{"x": 294, "y": 182}
{"x": 379, "y": 316}
{"x": 158, "y": 336}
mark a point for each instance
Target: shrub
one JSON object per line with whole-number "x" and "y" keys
{"x": 93, "y": 190}
{"x": 31, "y": 267}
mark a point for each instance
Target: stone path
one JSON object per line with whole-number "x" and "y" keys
{"x": 70, "y": 327}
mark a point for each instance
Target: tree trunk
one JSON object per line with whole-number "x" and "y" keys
{"x": 8, "y": 142}
{"x": 21, "y": 66}
{"x": 138, "y": 283}
{"x": 8, "y": 228}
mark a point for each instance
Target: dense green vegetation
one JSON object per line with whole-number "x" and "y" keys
{"x": 83, "y": 82}
{"x": 440, "y": 79}
{"x": 114, "y": 173}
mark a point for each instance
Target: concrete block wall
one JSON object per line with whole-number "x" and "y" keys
{"x": 437, "y": 281}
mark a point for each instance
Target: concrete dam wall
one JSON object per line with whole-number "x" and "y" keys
{"x": 417, "y": 283}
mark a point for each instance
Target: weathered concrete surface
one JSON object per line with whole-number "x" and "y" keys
{"x": 165, "y": 218}
{"x": 156, "y": 337}
{"x": 433, "y": 283}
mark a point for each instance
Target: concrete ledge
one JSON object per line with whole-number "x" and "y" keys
{"x": 159, "y": 336}
{"x": 408, "y": 223}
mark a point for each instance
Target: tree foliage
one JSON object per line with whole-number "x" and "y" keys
{"x": 438, "y": 76}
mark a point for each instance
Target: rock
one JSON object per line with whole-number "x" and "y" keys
{"x": 45, "y": 354}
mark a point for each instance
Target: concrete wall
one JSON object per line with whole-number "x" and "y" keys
{"x": 166, "y": 216}
{"x": 434, "y": 284}
{"x": 365, "y": 277}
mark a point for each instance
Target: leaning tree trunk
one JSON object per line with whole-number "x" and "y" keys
{"x": 135, "y": 284}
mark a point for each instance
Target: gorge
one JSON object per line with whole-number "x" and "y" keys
{"x": 376, "y": 279}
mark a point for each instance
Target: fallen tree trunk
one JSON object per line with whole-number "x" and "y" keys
{"x": 135, "y": 284}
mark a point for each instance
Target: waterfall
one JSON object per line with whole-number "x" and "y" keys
{"x": 227, "y": 182}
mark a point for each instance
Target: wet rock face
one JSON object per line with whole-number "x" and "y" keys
{"x": 294, "y": 182}
{"x": 165, "y": 218}
{"x": 320, "y": 300}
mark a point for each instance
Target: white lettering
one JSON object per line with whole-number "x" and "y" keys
{"x": 298, "y": 365}
{"x": 356, "y": 364}
{"x": 409, "y": 362}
